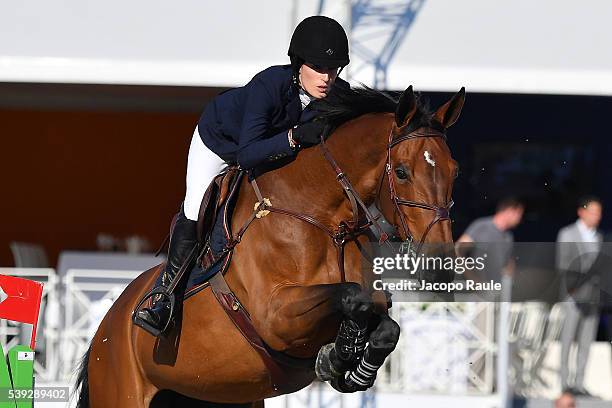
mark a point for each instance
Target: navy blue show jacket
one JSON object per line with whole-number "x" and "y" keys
{"x": 248, "y": 125}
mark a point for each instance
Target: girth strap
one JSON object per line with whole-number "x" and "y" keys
{"x": 241, "y": 319}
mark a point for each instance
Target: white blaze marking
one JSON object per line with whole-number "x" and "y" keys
{"x": 428, "y": 159}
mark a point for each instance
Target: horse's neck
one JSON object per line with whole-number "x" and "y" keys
{"x": 309, "y": 184}
{"x": 359, "y": 148}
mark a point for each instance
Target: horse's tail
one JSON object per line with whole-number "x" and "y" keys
{"x": 82, "y": 383}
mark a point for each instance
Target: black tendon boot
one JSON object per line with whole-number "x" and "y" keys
{"x": 334, "y": 359}
{"x": 381, "y": 343}
{"x": 349, "y": 345}
{"x": 363, "y": 376}
{"x": 182, "y": 242}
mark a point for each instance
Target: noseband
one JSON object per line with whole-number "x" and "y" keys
{"x": 441, "y": 213}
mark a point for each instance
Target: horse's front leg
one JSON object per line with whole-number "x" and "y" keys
{"x": 334, "y": 359}
{"x": 303, "y": 319}
{"x": 298, "y": 320}
{"x": 381, "y": 343}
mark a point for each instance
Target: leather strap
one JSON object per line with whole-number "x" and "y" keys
{"x": 441, "y": 212}
{"x": 186, "y": 266}
{"x": 241, "y": 319}
{"x": 354, "y": 198}
{"x": 346, "y": 231}
{"x": 257, "y": 192}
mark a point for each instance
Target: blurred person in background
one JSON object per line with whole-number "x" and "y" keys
{"x": 565, "y": 400}
{"x": 494, "y": 229}
{"x": 578, "y": 246}
{"x": 491, "y": 238}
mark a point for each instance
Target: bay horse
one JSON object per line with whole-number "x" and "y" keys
{"x": 285, "y": 271}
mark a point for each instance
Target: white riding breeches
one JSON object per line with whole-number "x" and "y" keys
{"x": 202, "y": 166}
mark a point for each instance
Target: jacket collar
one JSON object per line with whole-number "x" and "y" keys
{"x": 293, "y": 106}
{"x": 307, "y": 114}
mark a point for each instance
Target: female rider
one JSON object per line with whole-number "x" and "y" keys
{"x": 263, "y": 121}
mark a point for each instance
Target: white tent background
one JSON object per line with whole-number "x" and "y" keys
{"x": 521, "y": 46}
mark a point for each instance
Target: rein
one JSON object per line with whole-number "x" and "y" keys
{"x": 350, "y": 230}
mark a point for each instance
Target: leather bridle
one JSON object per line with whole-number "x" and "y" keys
{"x": 441, "y": 213}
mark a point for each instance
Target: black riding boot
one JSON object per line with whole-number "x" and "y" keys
{"x": 182, "y": 241}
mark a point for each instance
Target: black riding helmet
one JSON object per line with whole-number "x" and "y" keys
{"x": 321, "y": 41}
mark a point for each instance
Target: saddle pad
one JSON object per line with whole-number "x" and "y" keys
{"x": 199, "y": 276}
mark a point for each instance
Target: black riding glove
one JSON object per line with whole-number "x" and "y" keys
{"x": 309, "y": 133}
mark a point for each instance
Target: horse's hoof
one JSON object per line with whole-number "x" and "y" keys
{"x": 347, "y": 386}
{"x": 323, "y": 366}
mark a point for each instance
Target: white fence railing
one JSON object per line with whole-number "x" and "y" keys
{"x": 89, "y": 294}
{"x": 71, "y": 310}
{"x": 443, "y": 347}
{"x": 11, "y": 333}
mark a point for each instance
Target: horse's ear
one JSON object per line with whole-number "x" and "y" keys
{"x": 406, "y": 107}
{"x": 448, "y": 113}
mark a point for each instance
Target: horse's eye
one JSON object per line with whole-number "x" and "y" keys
{"x": 401, "y": 173}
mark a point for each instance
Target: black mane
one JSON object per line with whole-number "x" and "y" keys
{"x": 343, "y": 104}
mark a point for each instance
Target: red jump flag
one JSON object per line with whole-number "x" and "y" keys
{"x": 20, "y": 301}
